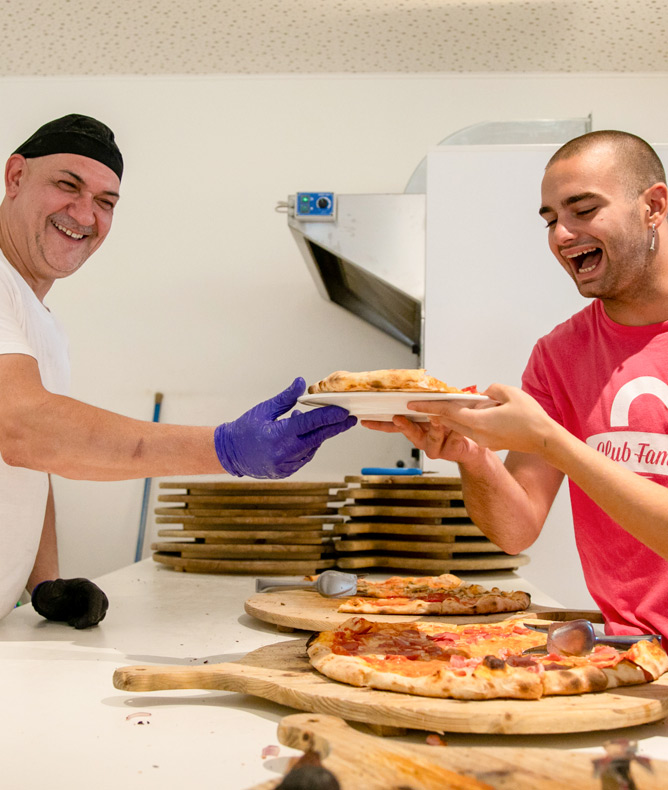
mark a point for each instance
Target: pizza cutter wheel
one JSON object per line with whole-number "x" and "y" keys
{"x": 330, "y": 584}
{"x": 578, "y": 638}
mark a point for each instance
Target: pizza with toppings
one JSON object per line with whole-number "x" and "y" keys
{"x": 391, "y": 380}
{"x": 473, "y": 662}
{"x": 436, "y": 595}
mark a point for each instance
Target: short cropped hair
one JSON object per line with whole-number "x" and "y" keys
{"x": 638, "y": 163}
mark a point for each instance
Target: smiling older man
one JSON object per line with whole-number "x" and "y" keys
{"x": 62, "y": 186}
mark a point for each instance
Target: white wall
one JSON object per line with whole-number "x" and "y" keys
{"x": 199, "y": 292}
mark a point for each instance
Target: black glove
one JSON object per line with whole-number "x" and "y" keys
{"x": 79, "y": 602}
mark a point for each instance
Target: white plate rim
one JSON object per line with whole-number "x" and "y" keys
{"x": 396, "y": 401}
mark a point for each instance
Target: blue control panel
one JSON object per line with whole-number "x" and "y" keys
{"x": 315, "y": 206}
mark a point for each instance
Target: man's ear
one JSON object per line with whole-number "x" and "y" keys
{"x": 14, "y": 171}
{"x": 656, "y": 201}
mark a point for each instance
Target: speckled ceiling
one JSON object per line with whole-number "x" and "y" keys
{"x": 95, "y": 37}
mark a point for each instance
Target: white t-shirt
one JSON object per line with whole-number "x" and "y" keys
{"x": 26, "y": 327}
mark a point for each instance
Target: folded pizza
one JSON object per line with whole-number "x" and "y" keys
{"x": 393, "y": 379}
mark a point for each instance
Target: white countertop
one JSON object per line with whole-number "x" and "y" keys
{"x": 65, "y": 725}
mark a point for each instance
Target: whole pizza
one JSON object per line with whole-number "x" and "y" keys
{"x": 431, "y": 595}
{"x": 393, "y": 379}
{"x": 473, "y": 662}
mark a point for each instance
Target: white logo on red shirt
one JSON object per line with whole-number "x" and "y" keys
{"x": 637, "y": 450}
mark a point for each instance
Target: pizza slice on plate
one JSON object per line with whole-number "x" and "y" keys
{"x": 391, "y": 380}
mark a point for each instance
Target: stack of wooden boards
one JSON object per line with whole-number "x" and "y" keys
{"x": 399, "y": 522}
{"x": 256, "y": 527}
{"x": 413, "y": 523}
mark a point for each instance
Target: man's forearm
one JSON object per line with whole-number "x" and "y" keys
{"x": 72, "y": 439}
{"x": 499, "y": 504}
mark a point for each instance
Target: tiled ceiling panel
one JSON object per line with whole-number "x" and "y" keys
{"x": 98, "y": 37}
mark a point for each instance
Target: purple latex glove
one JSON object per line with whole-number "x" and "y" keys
{"x": 259, "y": 445}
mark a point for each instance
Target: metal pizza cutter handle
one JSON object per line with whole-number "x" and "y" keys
{"x": 578, "y": 638}
{"x": 330, "y": 584}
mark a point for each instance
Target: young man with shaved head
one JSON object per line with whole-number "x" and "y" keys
{"x": 62, "y": 185}
{"x": 599, "y": 386}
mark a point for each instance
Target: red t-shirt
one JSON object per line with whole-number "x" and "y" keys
{"x": 608, "y": 385}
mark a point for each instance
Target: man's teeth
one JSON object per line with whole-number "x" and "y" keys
{"x": 68, "y": 232}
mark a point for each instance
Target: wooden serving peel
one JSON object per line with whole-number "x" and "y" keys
{"x": 281, "y": 673}
{"x": 359, "y": 760}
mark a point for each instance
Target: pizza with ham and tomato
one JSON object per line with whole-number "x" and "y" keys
{"x": 473, "y": 662}
{"x": 392, "y": 380}
{"x": 431, "y": 595}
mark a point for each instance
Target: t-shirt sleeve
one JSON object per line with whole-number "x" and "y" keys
{"x": 535, "y": 382}
{"x": 13, "y": 339}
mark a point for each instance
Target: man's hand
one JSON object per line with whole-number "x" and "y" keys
{"x": 515, "y": 422}
{"x": 78, "y": 602}
{"x": 433, "y": 437}
{"x": 257, "y": 444}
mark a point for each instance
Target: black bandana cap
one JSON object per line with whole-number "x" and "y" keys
{"x": 75, "y": 134}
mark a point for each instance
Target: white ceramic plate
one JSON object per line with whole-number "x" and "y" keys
{"x": 384, "y": 405}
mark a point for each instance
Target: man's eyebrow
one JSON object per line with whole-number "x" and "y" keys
{"x": 80, "y": 180}
{"x": 569, "y": 201}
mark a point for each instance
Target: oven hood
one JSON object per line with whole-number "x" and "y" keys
{"x": 366, "y": 253}
{"x": 370, "y": 259}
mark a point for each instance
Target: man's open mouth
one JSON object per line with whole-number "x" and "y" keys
{"x": 585, "y": 260}
{"x": 68, "y": 232}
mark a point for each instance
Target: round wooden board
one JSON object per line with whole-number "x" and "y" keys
{"x": 246, "y": 536}
{"x": 447, "y": 531}
{"x": 426, "y": 494}
{"x": 365, "y": 511}
{"x": 282, "y": 673}
{"x": 275, "y": 567}
{"x": 168, "y": 515}
{"x": 389, "y": 763}
{"x": 244, "y": 511}
{"x": 402, "y": 481}
{"x": 228, "y": 551}
{"x": 253, "y": 485}
{"x": 287, "y": 501}
{"x": 307, "y": 610}
{"x": 437, "y": 548}
{"x": 486, "y": 562}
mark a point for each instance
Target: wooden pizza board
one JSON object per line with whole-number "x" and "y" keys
{"x": 307, "y": 610}
{"x": 247, "y": 567}
{"x": 286, "y": 501}
{"x": 439, "y": 548}
{"x": 267, "y": 486}
{"x": 366, "y": 511}
{"x": 282, "y": 673}
{"x": 446, "y": 565}
{"x": 168, "y": 515}
{"x": 427, "y": 494}
{"x": 443, "y": 532}
{"x": 359, "y": 760}
{"x": 246, "y": 536}
{"x": 401, "y": 481}
{"x": 224, "y": 551}
{"x": 245, "y": 511}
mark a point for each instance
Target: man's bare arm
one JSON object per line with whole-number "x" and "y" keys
{"x": 60, "y": 435}
{"x": 46, "y": 561}
{"x": 509, "y": 503}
